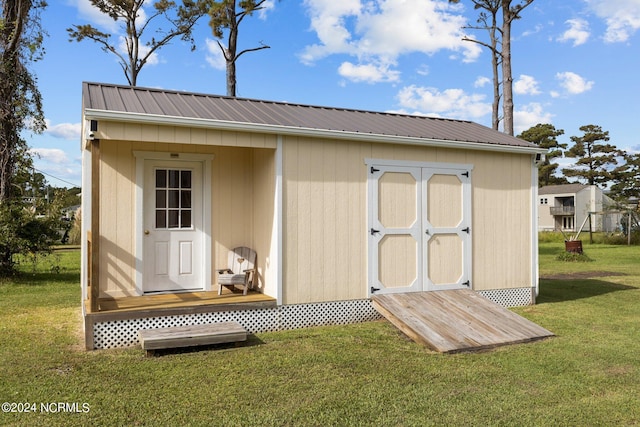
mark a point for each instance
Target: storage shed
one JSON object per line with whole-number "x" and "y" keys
{"x": 338, "y": 204}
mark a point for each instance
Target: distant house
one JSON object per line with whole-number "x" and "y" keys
{"x": 566, "y": 207}
{"x": 338, "y": 204}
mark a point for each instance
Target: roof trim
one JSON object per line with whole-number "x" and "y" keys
{"x": 143, "y": 118}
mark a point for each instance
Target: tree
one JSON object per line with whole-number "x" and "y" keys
{"x": 626, "y": 179}
{"x": 500, "y": 47}
{"x": 22, "y": 230}
{"x": 228, "y": 15}
{"x": 21, "y": 38}
{"x": 595, "y": 160}
{"x": 545, "y": 136}
{"x": 181, "y": 21}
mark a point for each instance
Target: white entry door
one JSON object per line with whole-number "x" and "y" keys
{"x": 172, "y": 226}
{"x": 419, "y": 227}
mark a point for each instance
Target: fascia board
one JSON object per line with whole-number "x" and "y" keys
{"x": 120, "y": 116}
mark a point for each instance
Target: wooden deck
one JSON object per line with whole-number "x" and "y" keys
{"x": 456, "y": 321}
{"x": 169, "y": 304}
{"x": 181, "y": 299}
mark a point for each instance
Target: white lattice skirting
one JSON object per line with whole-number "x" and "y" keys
{"x": 123, "y": 333}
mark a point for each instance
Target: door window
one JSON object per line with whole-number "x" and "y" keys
{"x": 173, "y": 199}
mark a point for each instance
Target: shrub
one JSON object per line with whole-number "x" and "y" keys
{"x": 24, "y": 232}
{"x": 573, "y": 257}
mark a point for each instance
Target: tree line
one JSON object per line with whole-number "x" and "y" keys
{"x": 596, "y": 161}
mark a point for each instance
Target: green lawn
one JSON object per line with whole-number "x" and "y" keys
{"x": 366, "y": 374}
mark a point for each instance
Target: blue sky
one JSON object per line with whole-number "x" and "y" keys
{"x": 575, "y": 62}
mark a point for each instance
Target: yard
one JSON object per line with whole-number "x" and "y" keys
{"x": 366, "y": 374}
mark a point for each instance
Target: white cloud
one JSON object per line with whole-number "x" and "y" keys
{"x": 328, "y": 22}
{"x": 451, "y": 103}
{"x": 533, "y": 31}
{"x": 481, "y": 81}
{"x": 92, "y": 14}
{"x": 58, "y": 167}
{"x": 423, "y": 70}
{"x": 573, "y": 84}
{"x": 267, "y": 6}
{"x": 382, "y": 30}
{"x": 578, "y": 32}
{"x": 369, "y": 73}
{"x": 621, "y": 16}
{"x": 529, "y": 115}
{"x": 214, "y": 55}
{"x": 70, "y": 131}
{"x": 51, "y": 155}
{"x": 526, "y": 85}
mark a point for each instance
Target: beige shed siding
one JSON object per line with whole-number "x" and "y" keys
{"x": 324, "y": 207}
{"x": 182, "y": 135}
{"x": 238, "y": 174}
{"x": 117, "y": 262}
{"x": 117, "y": 226}
{"x": 325, "y": 236}
{"x": 502, "y": 221}
{"x": 264, "y": 216}
{"x": 324, "y": 248}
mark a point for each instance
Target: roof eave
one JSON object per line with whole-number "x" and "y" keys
{"x": 142, "y": 118}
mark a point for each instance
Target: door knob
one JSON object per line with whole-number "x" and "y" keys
{"x": 146, "y": 231}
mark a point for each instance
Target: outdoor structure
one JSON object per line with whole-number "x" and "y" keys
{"x": 566, "y": 207}
{"x": 338, "y": 205}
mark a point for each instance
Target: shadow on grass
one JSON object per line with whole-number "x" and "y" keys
{"x": 552, "y": 291}
{"x": 550, "y": 250}
{"x": 251, "y": 341}
{"x": 40, "y": 279}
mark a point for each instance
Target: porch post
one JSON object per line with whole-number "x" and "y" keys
{"x": 94, "y": 261}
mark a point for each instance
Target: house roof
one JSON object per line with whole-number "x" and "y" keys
{"x": 147, "y": 105}
{"x": 561, "y": 189}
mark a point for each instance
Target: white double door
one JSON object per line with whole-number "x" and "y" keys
{"x": 172, "y": 225}
{"x": 419, "y": 228}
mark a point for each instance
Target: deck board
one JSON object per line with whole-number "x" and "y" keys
{"x": 457, "y": 320}
{"x": 174, "y": 300}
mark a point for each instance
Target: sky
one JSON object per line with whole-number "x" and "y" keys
{"x": 575, "y": 63}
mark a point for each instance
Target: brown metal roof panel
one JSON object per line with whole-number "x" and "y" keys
{"x": 174, "y": 104}
{"x": 283, "y": 115}
{"x": 213, "y": 107}
{"x": 252, "y": 112}
{"x": 133, "y": 100}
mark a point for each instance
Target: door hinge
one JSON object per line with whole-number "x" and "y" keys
{"x": 467, "y": 284}
{"x": 374, "y": 170}
{"x": 374, "y": 231}
{"x": 466, "y": 230}
{"x": 374, "y": 290}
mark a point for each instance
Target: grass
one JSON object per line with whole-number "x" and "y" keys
{"x": 365, "y": 374}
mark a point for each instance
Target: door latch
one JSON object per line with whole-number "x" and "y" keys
{"x": 374, "y": 231}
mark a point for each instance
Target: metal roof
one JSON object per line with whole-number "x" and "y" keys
{"x": 138, "y": 104}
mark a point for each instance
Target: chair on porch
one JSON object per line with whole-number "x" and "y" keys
{"x": 241, "y": 271}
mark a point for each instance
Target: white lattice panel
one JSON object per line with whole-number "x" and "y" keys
{"x": 123, "y": 333}
{"x": 328, "y": 313}
{"x": 510, "y": 297}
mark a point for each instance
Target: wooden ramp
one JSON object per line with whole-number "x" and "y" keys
{"x": 455, "y": 321}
